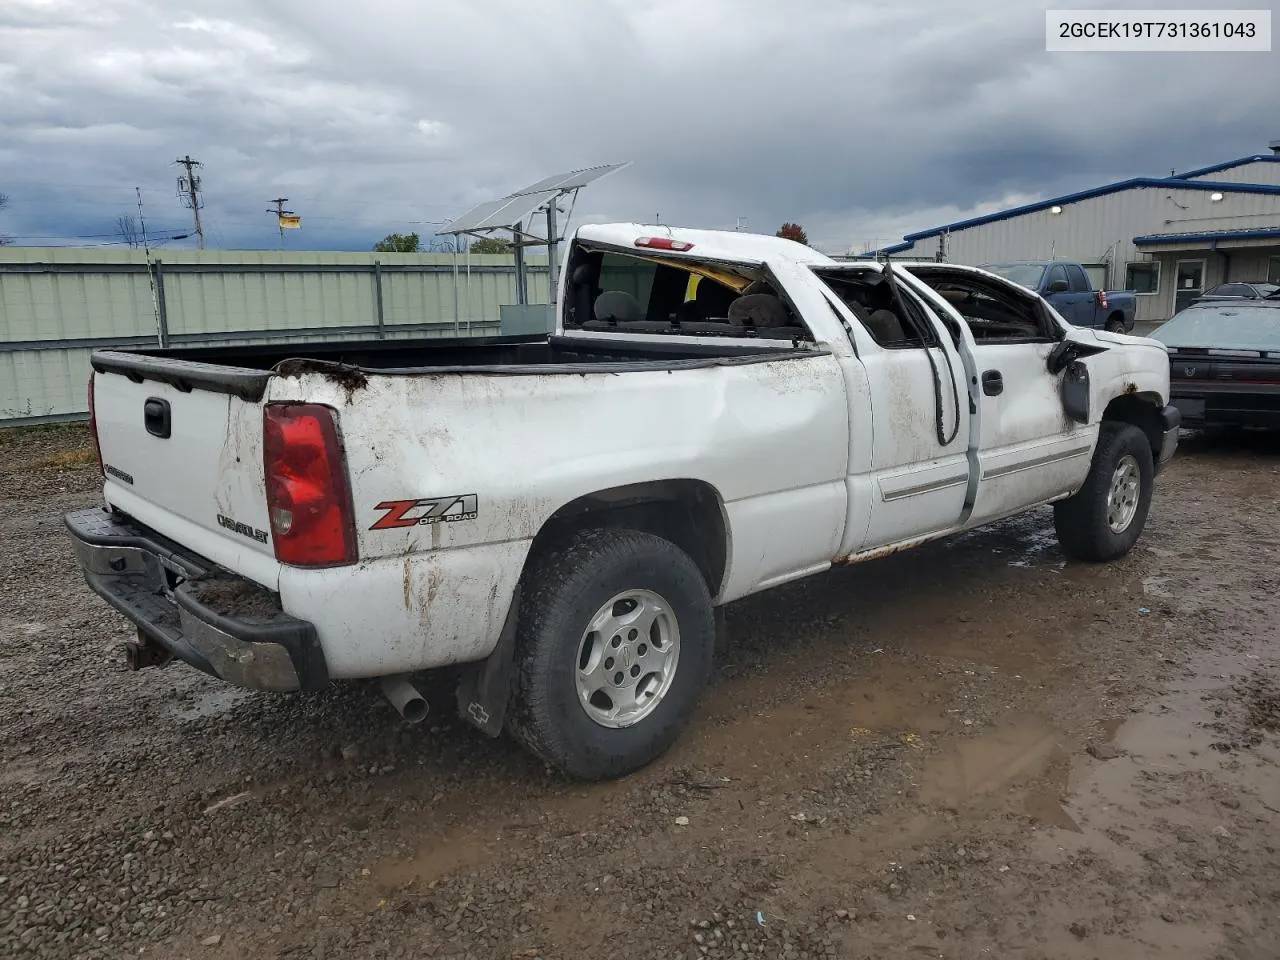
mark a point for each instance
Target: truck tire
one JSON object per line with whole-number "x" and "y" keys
{"x": 614, "y": 646}
{"x": 1115, "y": 323}
{"x": 1104, "y": 519}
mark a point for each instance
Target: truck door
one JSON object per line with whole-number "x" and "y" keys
{"x": 1028, "y": 450}
{"x": 1065, "y": 299}
{"x": 1083, "y": 301}
{"x": 909, "y": 468}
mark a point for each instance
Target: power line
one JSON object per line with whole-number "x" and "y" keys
{"x": 82, "y": 236}
{"x": 10, "y": 185}
{"x": 190, "y": 186}
{"x": 153, "y": 238}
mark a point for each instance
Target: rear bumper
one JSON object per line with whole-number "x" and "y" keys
{"x": 1171, "y": 422}
{"x": 222, "y": 624}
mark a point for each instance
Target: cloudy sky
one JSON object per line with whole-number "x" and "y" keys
{"x": 860, "y": 120}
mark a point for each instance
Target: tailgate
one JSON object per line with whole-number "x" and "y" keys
{"x": 186, "y": 461}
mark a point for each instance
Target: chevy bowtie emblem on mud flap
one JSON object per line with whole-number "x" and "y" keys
{"x": 410, "y": 513}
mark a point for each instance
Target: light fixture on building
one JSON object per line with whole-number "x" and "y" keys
{"x": 1055, "y": 210}
{"x": 1215, "y": 197}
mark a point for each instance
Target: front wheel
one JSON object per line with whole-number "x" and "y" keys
{"x": 615, "y": 645}
{"x": 1105, "y": 518}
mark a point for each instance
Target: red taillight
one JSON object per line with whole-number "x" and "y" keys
{"x": 1102, "y": 299}
{"x": 93, "y": 428}
{"x": 308, "y": 497}
{"x": 663, "y": 243}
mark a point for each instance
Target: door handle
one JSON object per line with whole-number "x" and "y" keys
{"x": 992, "y": 383}
{"x": 157, "y": 417}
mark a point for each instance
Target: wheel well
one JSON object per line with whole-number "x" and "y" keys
{"x": 689, "y": 513}
{"x": 1143, "y": 411}
{"x": 1116, "y": 315}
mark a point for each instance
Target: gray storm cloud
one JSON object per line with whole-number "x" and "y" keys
{"x": 861, "y": 121}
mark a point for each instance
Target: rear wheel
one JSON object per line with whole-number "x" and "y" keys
{"x": 1116, "y": 324}
{"x": 615, "y": 645}
{"x": 1105, "y": 518}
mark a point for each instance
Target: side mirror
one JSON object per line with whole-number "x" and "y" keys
{"x": 1062, "y": 354}
{"x": 1057, "y": 286}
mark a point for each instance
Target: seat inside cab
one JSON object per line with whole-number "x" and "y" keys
{"x": 622, "y": 293}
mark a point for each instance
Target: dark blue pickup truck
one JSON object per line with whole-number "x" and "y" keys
{"x": 1065, "y": 284}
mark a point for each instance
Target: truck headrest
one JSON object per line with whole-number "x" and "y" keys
{"x": 618, "y": 306}
{"x": 758, "y": 310}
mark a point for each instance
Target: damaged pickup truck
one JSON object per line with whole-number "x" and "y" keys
{"x": 714, "y": 414}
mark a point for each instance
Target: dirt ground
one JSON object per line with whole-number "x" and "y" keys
{"x": 972, "y": 750}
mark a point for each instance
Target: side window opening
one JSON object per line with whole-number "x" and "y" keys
{"x": 870, "y": 298}
{"x": 993, "y": 313}
{"x": 1076, "y": 275}
{"x": 622, "y": 293}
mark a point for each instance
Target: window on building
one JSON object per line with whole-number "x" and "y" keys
{"x": 1142, "y": 276}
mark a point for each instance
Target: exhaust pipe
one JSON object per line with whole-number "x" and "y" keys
{"x": 404, "y": 696}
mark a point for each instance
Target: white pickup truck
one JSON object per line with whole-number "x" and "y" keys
{"x": 715, "y": 414}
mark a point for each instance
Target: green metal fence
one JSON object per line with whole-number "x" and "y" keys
{"x": 58, "y": 305}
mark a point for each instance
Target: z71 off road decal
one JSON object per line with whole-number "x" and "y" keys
{"x": 410, "y": 513}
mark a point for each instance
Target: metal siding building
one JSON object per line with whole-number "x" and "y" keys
{"x": 57, "y": 305}
{"x": 1186, "y": 233}
{"x": 1257, "y": 170}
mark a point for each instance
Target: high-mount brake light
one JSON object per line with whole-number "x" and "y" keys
{"x": 663, "y": 243}
{"x": 308, "y": 495}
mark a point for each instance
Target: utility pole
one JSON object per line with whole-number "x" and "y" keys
{"x": 280, "y": 213}
{"x": 189, "y": 192}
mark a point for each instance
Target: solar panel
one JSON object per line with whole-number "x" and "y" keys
{"x": 499, "y": 213}
{"x": 571, "y": 180}
{"x": 514, "y": 207}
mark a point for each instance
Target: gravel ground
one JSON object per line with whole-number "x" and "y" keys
{"x": 970, "y": 750}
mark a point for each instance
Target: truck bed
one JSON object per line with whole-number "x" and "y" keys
{"x": 244, "y": 370}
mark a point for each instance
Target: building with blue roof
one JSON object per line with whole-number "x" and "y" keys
{"x": 1166, "y": 238}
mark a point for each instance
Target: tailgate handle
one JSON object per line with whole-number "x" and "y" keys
{"x": 158, "y": 417}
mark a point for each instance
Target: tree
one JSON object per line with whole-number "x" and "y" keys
{"x": 4, "y": 202}
{"x": 793, "y": 231}
{"x": 127, "y": 227}
{"x": 490, "y": 245}
{"x": 398, "y": 243}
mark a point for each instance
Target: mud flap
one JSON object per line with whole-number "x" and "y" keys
{"x": 1075, "y": 391}
{"x": 484, "y": 690}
